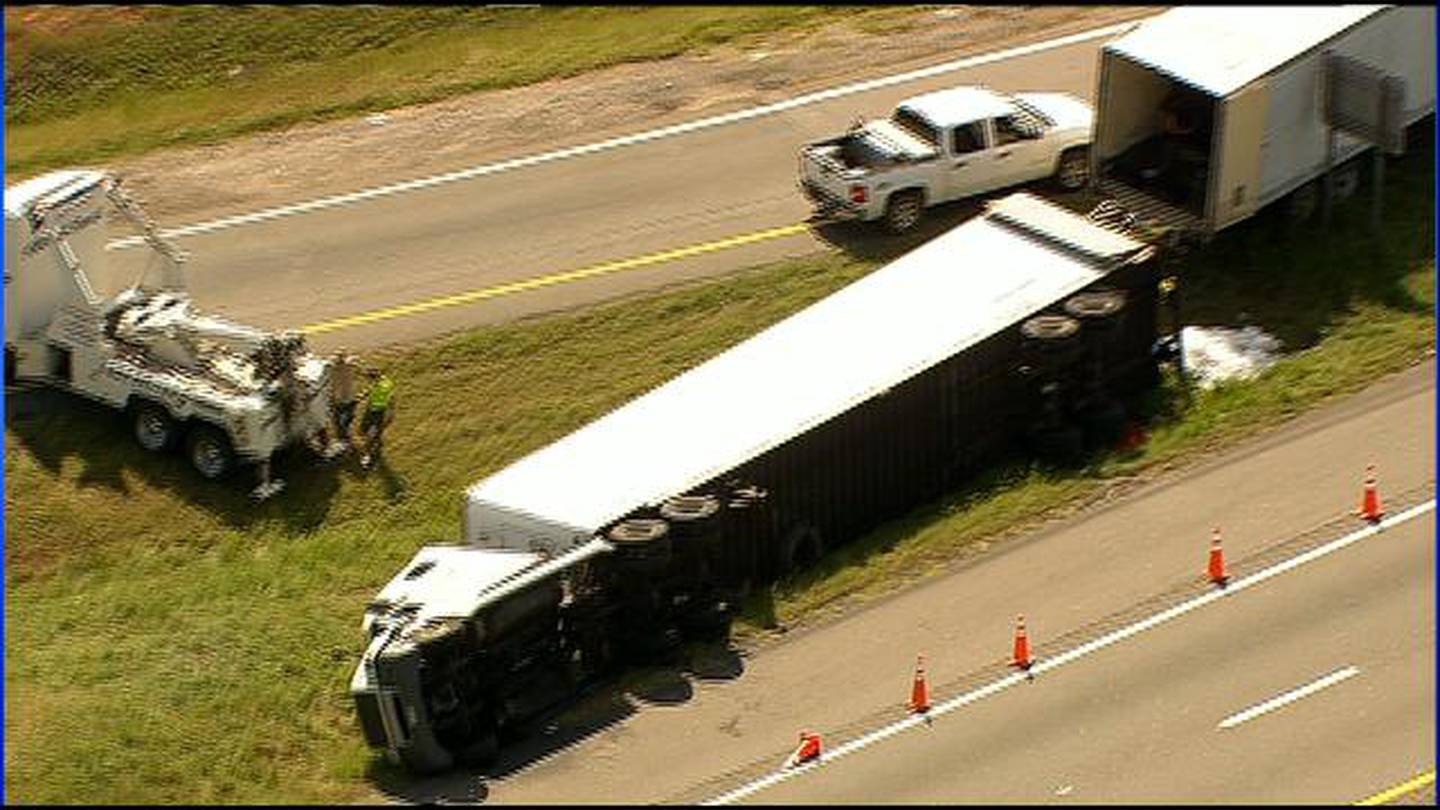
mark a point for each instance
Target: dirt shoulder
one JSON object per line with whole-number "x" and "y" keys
{"x": 196, "y": 183}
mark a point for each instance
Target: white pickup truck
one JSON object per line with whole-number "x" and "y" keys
{"x": 943, "y": 146}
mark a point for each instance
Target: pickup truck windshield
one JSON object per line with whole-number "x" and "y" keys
{"x": 913, "y": 123}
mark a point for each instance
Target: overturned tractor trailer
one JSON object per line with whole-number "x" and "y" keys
{"x": 1207, "y": 114}
{"x": 648, "y": 525}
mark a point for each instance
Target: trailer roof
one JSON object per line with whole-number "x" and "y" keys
{"x": 1220, "y": 49}
{"x": 950, "y": 293}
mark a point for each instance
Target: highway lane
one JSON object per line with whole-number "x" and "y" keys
{"x": 858, "y": 668}
{"x": 1141, "y": 722}
{"x": 650, "y": 197}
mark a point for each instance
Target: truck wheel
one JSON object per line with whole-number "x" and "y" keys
{"x": 802, "y": 547}
{"x": 154, "y": 428}
{"x": 903, "y": 210}
{"x": 1096, "y": 304}
{"x": 1347, "y": 181}
{"x": 209, "y": 451}
{"x": 11, "y": 361}
{"x": 645, "y": 541}
{"x": 1301, "y": 204}
{"x": 484, "y": 744}
{"x": 1050, "y": 328}
{"x": 1073, "y": 170}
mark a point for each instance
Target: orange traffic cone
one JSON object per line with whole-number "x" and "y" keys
{"x": 920, "y": 691}
{"x": 809, "y": 750}
{"x": 1022, "y": 646}
{"x": 1217, "y": 560}
{"x": 1370, "y": 508}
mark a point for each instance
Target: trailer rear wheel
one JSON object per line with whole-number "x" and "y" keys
{"x": 802, "y": 547}
{"x": 209, "y": 451}
{"x": 155, "y": 429}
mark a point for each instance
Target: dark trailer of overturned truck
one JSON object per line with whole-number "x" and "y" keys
{"x": 647, "y": 525}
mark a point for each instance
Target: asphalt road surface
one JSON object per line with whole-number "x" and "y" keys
{"x": 652, "y": 197}
{"x": 1134, "y": 721}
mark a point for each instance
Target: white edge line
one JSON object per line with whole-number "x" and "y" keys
{"x": 1289, "y": 697}
{"x": 1083, "y": 650}
{"x": 624, "y": 140}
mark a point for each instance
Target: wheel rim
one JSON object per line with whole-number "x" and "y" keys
{"x": 208, "y": 458}
{"x": 151, "y": 430}
{"x": 1074, "y": 173}
{"x": 907, "y": 213}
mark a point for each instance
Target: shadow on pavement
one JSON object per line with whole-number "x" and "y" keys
{"x": 603, "y": 706}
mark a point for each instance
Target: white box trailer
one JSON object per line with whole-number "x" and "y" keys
{"x": 1206, "y": 114}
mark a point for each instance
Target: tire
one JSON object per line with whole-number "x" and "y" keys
{"x": 154, "y": 428}
{"x": 1063, "y": 445}
{"x": 11, "y": 362}
{"x": 1095, "y": 305}
{"x": 484, "y": 746}
{"x": 689, "y": 509}
{"x": 1050, "y": 328}
{"x": 802, "y": 547}
{"x": 644, "y": 542}
{"x": 1072, "y": 171}
{"x": 209, "y": 451}
{"x": 1302, "y": 203}
{"x": 1347, "y": 181}
{"x": 903, "y": 211}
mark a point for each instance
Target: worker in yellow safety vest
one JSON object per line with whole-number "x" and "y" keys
{"x": 379, "y": 413}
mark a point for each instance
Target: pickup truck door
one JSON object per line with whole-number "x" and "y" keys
{"x": 1020, "y": 154}
{"x": 970, "y": 166}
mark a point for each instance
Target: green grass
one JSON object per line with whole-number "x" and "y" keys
{"x": 122, "y": 82}
{"x": 168, "y": 641}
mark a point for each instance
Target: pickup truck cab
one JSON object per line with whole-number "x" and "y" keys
{"x": 945, "y": 146}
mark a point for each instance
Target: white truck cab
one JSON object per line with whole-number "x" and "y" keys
{"x": 945, "y": 146}
{"x": 230, "y": 393}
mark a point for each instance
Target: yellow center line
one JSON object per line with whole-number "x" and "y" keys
{"x": 1399, "y": 790}
{"x": 592, "y": 271}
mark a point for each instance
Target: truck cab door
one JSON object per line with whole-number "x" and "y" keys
{"x": 1021, "y": 154}
{"x": 970, "y": 167}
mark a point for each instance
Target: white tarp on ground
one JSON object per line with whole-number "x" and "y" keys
{"x": 1217, "y": 353}
{"x": 922, "y": 308}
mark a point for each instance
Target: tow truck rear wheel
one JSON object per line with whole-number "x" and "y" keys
{"x": 155, "y": 429}
{"x": 903, "y": 209}
{"x": 209, "y": 451}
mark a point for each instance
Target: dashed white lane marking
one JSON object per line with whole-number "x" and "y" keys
{"x": 1289, "y": 697}
{"x": 624, "y": 140}
{"x": 1235, "y": 587}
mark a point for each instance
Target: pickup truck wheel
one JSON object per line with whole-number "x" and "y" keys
{"x": 1073, "y": 171}
{"x": 154, "y": 427}
{"x": 209, "y": 451}
{"x": 903, "y": 210}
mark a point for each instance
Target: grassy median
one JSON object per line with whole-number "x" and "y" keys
{"x": 168, "y": 641}
{"x": 96, "y": 83}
